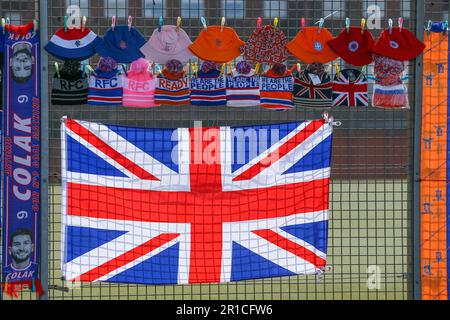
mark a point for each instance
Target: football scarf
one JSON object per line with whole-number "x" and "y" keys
{"x": 350, "y": 89}
{"x": 21, "y": 177}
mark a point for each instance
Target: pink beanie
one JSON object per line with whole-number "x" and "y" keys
{"x": 139, "y": 85}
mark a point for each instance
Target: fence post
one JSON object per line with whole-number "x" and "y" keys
{"x": 420, "y": 8}
{"x": 43, "y": 266}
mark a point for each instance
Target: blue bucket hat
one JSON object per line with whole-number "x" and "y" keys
{"x": 122, "y": 44}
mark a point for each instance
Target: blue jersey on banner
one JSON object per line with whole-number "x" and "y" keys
{"x": 21, "y": 158}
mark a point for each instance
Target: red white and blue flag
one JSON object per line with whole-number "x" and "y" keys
{"x": 194, "y": 205}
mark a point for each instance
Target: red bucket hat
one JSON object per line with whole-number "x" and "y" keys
{"x": 353, "y": 46}
{"x": 400, "y": 44}
{"x": 266, "y": 45}
{"x": 310, "y": 45}
{"x": 214, "y": 44}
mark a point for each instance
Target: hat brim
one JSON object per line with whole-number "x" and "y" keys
{"x": 360, "y": 58}
{"x": 298, "y": 51}
{"x": 158, "y": 57}
{"x": 208, "y": 54}
{"x": 78, "y": 54}
{"x": 403, "y": 55}
{"x": 121, "y": 56}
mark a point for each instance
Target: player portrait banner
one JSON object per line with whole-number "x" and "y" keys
{"x": 194, "y": 205}
{"x": 435, "y": 168}
{"x": 21, "y": 158}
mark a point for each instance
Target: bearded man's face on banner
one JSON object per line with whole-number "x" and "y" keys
{"x": 21, "y": 249}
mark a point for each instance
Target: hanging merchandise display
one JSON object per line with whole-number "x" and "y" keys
{"x": 266, "y": 45}
{"x": 350, "y": 89}
{"x": 139, "y": 85}
{"x": 122, "y": 43}
{"x": 217, "y": 43}
{"x": 389, "y": 91}
{"x": 354, "y": 45}
{"x": 313, "y": 87}
{"x": 22, "y": 174}
{"x": 69, "y": 85}
{"x": 168, "y": 43}
{"x": 76, "y": 43}
{"x": 276, "y": 88}
{"x": 105, "y": 84}
{"x": 172, "y": 85}
{"x": 208, "y": 86}
{"x": 243, "y": 86}
{"x": 310, "y": 45}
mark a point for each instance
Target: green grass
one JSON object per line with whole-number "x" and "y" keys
{"x": 368, "y": 226}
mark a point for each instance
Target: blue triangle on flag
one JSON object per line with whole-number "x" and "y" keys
{"x": 249, "y": 141}
{"x": 319, "y": 157}
{"x": 161, "y": 144}
{"x": 315, "y": 233}
{"x": 81, "y": 159}
{"x": 80, "y": 240}
{"x": 159, "y": 269}
{"x": 248, "y": 265}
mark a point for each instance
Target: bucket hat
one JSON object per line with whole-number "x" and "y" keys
{"x": 73, "y": 44}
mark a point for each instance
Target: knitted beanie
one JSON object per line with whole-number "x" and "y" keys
{"x": 105, "y": 88}
{"x": 139, "y": 85}
{"x": 172, "y": 85}
{"x": 350, "y": 89}
{"x": 276, "y": 89}
{"x": 243, "y": 87}
{"x": 208, "y": 88}
{"x": 313, "y": 87}
{"x": 70, "y": 87}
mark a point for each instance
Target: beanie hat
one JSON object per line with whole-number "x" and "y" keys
{"x": 312, "y": 88}
{"x": 105, "y": 88}
{"x": 276, "y": 90}
{"x": 168, "y": 44}
{"x": 122, "y": 44}
{"x": 310, "y": 45}
{"x": 243, "y": 67}
{"x": 217, "y": 45}
{"x": 207, "y": 66}
{"x": 350, "y": 89}
{"x": 208, "y": 88}
{"x": 139, "y": 86}
{"x": 354, "y": 46}
{"x": 400, "y": 44}
{"x": 70, "y": 87}
{"x": 266, "y": 45}
{"x": 172, "y": 85}
{"x": 73, "y": 44}
{"x": 243, "y": 88}
{"x": 106, "y": 64}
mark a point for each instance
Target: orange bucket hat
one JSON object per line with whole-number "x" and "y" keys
{"x": 214, "y": 44}
{"x": 310, "y": 45}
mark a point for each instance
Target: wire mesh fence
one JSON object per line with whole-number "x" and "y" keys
{"x": 370, "y": 230}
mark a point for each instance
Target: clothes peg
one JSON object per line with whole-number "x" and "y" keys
{"x": 347, "y": 24}
{"x": 299, "y": 67}
{"x": 65, "y": 23}
{"x": 83, "y": 23}
{"x": 203, "y": 20}
{"x": 35, "y": 25}
{"x": 303, "y": 24}
{"x": 258, "y": 65}
{"x": 113, "y": 22}
{"x": 363, "y": 25}
{"x": 336, "y": 67}
{"x": 259, "y": 22}
{"x": 445, "y": 27}
{"x": 222, "y": 24}
{"x": 178, "y": 24}
{"x": 400, "y": 24}
{"x": 390, "y": 25}
{"x": 83, "y": 70}
{"x": 321, "y": 22}
{"x": 130, "y": 20}
{"x": 57, "y": 70}
{"x": 275, "y": 24}
{"x": 222, "y": 69}
{"x": 160, "y": 23}
{"x": 3, "y": 25}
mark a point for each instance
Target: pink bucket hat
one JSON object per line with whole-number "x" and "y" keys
{"x": 168, "y": 44}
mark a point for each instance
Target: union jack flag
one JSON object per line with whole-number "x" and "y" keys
{"x": 350, "y": 89}
{"x": 194, "y": 205}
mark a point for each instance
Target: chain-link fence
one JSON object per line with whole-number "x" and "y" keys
{"x": 370, "y": 231}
